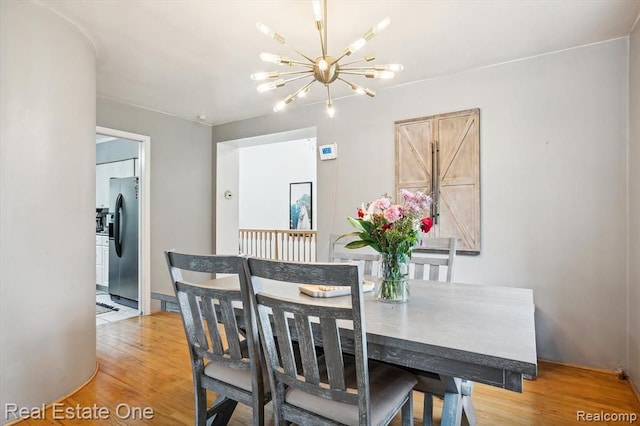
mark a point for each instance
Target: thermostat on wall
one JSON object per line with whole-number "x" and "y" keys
{"x": 328, "y": 152}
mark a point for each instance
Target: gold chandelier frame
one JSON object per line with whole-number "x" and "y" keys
{"x": 324, "y": 69}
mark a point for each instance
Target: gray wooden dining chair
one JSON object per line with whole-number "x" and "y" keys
{"x": 441, "y": 253}
{"x": 368, "y": 261}
{"x": 232, "y": 370}
{"x": 429, "y": 267}
{"x": 333, "y": 388}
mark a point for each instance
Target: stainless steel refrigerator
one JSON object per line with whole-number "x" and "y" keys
{"x": 123, "y": 240}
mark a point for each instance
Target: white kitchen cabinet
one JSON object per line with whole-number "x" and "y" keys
{"x": 126, "y": 168}
{"x": 99, "y": 271}
{"x": 105, "y": 265}
{"x": 106, "y": 171}
{"x": 102, "y": 185}
{"x": 102, "y": 260}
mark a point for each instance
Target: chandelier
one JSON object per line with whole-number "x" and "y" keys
{"x": 323, "y": 69}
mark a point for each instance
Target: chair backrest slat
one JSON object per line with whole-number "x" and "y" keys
{"x": 231, "y": 328}
{"x": 307, "y": 349}
{"x": 430, "y": 264}
{"x": 284, "y": 341}
{"x": 333, "y": 353}
{"x": 209, "y": 311}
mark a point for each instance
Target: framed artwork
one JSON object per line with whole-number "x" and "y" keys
{"x": 300, "y": 205}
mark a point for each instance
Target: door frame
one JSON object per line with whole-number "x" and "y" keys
{"x": 228, "y": 177}
{"x": 144, "y": 221}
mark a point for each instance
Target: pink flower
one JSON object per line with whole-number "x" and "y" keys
{"x": 378, "y": 205}
{"x": 407, "y": 195}
{"x": 416, "y": 201}
{"x": 393, "y": 213}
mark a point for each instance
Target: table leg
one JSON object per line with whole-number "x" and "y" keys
{"x": 452, "y": 409}
{"x": 457, "y": 405}
{"x": 468, "y": 412}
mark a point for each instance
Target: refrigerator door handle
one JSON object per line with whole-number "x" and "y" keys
{"x": 117, "y": 239}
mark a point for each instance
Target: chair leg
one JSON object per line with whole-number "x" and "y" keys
{"x": 427, "y": 410}
{"x": 200, "y": 395}
{"x": 258, "y": 413}
{"x": 407, "y": 411}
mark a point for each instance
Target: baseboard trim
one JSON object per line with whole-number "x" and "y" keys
{"x": 79, "y": 388}
{"x": 581, "y": 367}
{"x": 635, "y": 389}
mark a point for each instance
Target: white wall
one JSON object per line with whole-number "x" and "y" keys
{"x": 634, "y": 208}
{"x": 181, "y": 182}
{"x": 553, "y": 200}
{"x": 264, "y": 176}
{"x": 47, "y": 186}
{"x": 228, "y": 212}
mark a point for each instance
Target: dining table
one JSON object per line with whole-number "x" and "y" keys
{"x": 456, "y": 333}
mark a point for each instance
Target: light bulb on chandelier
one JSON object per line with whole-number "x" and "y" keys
{"x": 324, "y": 69}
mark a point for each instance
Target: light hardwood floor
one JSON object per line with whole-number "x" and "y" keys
{"x": 144, "y": 363}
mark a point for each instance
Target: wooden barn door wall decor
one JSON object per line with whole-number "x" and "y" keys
{"x": 440, "y": 155}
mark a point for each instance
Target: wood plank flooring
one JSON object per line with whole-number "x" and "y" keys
{"x": 144, "y": 363}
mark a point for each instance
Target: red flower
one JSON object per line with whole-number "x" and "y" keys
{"x": 360, "y": 213}
{"x": 386, "y": 226}
{"x": 425, "y": 224}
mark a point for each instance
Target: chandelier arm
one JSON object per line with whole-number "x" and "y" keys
{"x": 303, "y": 88}
{"x": 353, "y": 72}
{"x": 298, "y": 77}
{"x": 299, "y": 53}
{"x": 322, "y": 48}
{"x": 370, "y": 73}
{"x": 308, "y": 72}
{"x": 345, "y": 53}
{"x": 302, "y": 64}
{"x": 321, "y": 27}
{"x": 377, "y": 67}
{"x": 291, "y": 97}
{"x": 330, "y": 109}
{"x": 355, "y": 62}
{"x": 292, "y": 62}
{"x": 358, "y": 89}
{"x": 326, "y": 25}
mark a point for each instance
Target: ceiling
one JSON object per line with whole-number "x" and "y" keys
{"x": 193, "y": 58}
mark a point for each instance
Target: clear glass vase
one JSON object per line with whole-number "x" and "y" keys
{"x": 393, "y": 278}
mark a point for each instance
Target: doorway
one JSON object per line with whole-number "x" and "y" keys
{"x": 246, "y": 198}
{"x": 140, "y": 145}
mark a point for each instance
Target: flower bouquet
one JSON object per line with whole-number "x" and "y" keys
{"x": 392, "y": 230}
